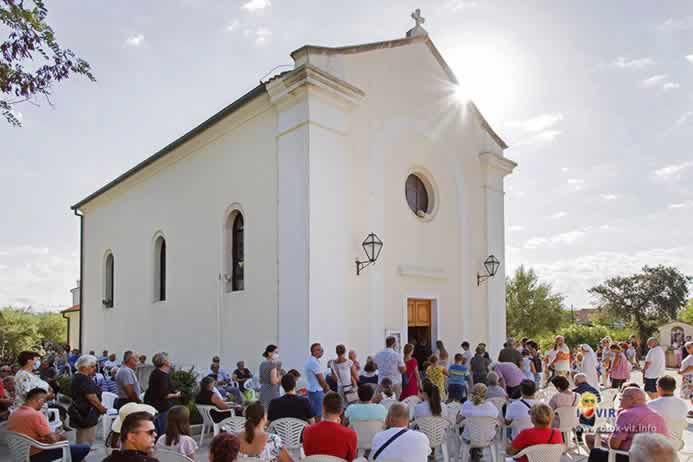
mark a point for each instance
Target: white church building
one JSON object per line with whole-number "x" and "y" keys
{"x": 245, "y": 231}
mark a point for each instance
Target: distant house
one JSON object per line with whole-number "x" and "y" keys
{"x": 72, "y": 315}
{"x": 588, "y": 316}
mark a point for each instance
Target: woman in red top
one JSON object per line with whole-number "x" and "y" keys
{"x": 412, "y": 374}
{"x": 541, "y": 433}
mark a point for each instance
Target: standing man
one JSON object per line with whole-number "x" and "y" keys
{"x": 653, "y": 368}
{"x": 390, "y": 365}
{"x": 510, "y": 354}
{"x": 317, "y": 385}
{"x": 129, "y": 389}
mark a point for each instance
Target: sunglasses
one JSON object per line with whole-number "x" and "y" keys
{"x": 151, "y": 432}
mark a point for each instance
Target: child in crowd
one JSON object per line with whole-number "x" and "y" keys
{"x": 457, "y": 379}
{"x": 437, "y": 374}
{"x": 526, "y": 364}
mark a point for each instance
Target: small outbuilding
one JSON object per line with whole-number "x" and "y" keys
{"x": 673, "y": 334}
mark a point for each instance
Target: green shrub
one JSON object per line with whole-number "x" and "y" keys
{"x": 65, "y": 384}
{"x": 576, "y": 334}
{"x": 185, "y": 381}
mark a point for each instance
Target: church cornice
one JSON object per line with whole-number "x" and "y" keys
{"x": 308, "y": 75}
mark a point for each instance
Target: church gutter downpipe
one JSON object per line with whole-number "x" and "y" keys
{"x": 81, "y": 278}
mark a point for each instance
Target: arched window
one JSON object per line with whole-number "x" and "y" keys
{"x": 160, "y": 269}
{"x": 234, "y": 251}
{"x": 108, "y": 286}
{"x": 237, "y": 280}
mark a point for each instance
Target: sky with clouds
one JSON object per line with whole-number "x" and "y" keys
{"x": 595, "y": 99}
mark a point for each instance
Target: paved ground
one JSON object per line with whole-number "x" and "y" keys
{"x": 98, "y": 453}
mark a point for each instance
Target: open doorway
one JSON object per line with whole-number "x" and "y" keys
{"x": 419, "y": 321}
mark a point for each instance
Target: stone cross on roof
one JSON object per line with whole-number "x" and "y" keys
{"x": 418, "y": 29}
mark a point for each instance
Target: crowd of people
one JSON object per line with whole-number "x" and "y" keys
{"x": 347, "y": 391}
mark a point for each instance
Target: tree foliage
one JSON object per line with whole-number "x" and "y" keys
{"x": 686, "y": 314}
{"x": 21, "y": 78}
{"x": 647, "y": 299}
{"x": 531, "y": 306}
{"x": 576, "y": 335}
{"x": 22, "y": 329}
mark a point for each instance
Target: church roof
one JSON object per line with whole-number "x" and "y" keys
{"x": 261, "y": 88}
{"x": 71, "y": 309}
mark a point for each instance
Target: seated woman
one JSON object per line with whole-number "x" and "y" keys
{"x": 541, "y": 432}
{"x": 431, "y": 404}
{"x": 255, "y": 442}
{"x": 369, "y": 374}
{"x": 478, "y": 406}
{"x": 493, "y": 389}
{"x": 177, "y": 437}
{"x": 224, "y": 448}
{"x": 209, "y": 397}
{"x": 564, "y": 398}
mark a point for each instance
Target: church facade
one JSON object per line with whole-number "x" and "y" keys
{"x": 245, "y": 231}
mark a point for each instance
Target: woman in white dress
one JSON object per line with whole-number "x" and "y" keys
{"x": 589, "y": 365}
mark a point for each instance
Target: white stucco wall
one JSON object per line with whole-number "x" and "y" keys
{"x": 314, "y": 170}
{"x": 186, "y": 196}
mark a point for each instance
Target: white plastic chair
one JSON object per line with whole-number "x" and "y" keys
{"x": 477, "y": 430}
{"x": 53, "y": 416}
{"x": 542, "y": 453}
{"x": 108, "y": 400}
{"x": 387, "y": 402}
{"x": 165, "y": 455}
{"x": 290, "y": 431}
{"x": 569, "y": 420}
{"x": 233, "y": 424}
{"x": 365, "y": 431}
{"x": 322, "y": 458}
{"x": 207, "y": 421}
{"x": 435, "y": 429}
{"x": 20, "y": 447}
{"x": 612, "y": 452}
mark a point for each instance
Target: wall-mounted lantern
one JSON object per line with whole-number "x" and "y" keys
{"x": 491, "y": 264}
{"x": 372, "y": 245}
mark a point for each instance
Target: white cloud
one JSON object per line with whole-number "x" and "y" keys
{"x": 455, "y": 5}
{"x": 233, "y": 25}
{"x": 539, "y": 123}
{"x": 682, "y": 120}
{"x": 610, "y": 197}
{"x": 637, "y": 63}
{"x": 559, "y": 215}
{"x": 547, "y": 135}
{"x": 23, "y": 251}
{"x": 605, "y": 227}
{"x": 576, "y": 181}
{"x": 262, "y": 35}
{"x": 135, "y": 40}
{"x": 671, "y": 86}
{"x": 653, "y": 81}
{"x": 564, "y": 169}
{"x": 671, "y": 170}
{"x": 677, "y": 206}
{"x": 516, "y": 228}
{"x": 569, "y": 237}
{"x": 256, "y": 5}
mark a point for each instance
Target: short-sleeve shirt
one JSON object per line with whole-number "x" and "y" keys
{"x": 512, "y": 375}
{"x": 186, "y": 445}
{"x": 457, "y": 374}
{"x": 29, "y": 422}
{"x": 365, "y": 411}
{"x": 656, "y": 359}
{"x": 330, "y": 438}
{"x": 290, "y": 405}
{"x": 25, "y": 381}
{"x": 389, "y": 362}
{"x": 423, "y": 409}
{"x": 83, "y": 385}
{"x": 127, "y": 376}
{"x": 312, "y": 368}
{"x": 638, "y": 419}
{"x": 411, "y": 446}
{"x": 160, "y": 386}
{"x": 533, "y": 436}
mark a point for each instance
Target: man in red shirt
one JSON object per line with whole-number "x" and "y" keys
{"x": 541, "y": 433}
{"x": 30, "y": 421}
{"x": 329, "y": 436}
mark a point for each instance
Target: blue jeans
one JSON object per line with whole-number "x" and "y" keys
{"x": 315, "y": 399}
{"x": 160, "y": 422}
{"x": 77, "y": 451}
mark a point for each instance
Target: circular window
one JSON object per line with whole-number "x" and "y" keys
{"x": 417, "y": 196}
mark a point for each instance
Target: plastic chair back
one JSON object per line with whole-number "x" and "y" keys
{"x": 108, "y": 399}
{"x": 165, "y": 455}
{"x": 20, "y": 447}
{"x": 289, "y": 430}
{"x": 366, "y": 430}
{"x": 435, "y": 428}
{"x": 542, "y": 453}
{"x": 234, "y": 424}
